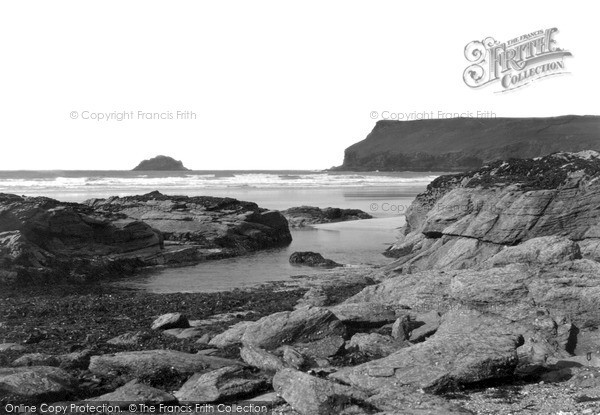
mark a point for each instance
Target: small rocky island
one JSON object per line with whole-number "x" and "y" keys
{"x": 161, "y": 163}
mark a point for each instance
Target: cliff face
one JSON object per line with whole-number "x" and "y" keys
{"x": 464, "y": 219}
{"x": 161, "y": 163}
{"x": 461, "y": 144}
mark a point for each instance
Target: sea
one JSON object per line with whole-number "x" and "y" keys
{"x": 385, "y": 195}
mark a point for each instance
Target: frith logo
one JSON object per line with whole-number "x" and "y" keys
{"x": 514, "y": 63}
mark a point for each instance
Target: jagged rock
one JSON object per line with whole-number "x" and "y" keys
{"x": 422, "y": 291}
{"x": 35, "y": 384}
{"x": 314, "y": 396}
{"x": 42, "y": 240}
{"x": 230, "y": 226}
{"x": 74, "y": 360}
{"x": 465, "y": 219}
{"x": 402, "y": 327}
{"x": 364, "y": 314}
{"x": 36, "y": 359}
{"x": 302, "y": 216}
{"x": 425, "y": 325}
{"x": 375, "y": 344}
{"x": 322, "y": 348}
{"x": 170, "y": 321}
{"x": 161, "y": 163}
{"x": 221, "y": 384}
{"x": 293, "y": 358}
{"x": 231, "y": 336}
{"x": 301, "y": 325}
{"x": 259, "y": 358}
{"x": 314, "y": 297}
{"x": 134, "y": 392}
{"x": 468, "y": 347}
{"x": 132, "y": 365}
{"x": 312, "y": 259}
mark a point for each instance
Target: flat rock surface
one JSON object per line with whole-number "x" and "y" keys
{"x": 468, "y": 347}
{"x": 147, "y": 362}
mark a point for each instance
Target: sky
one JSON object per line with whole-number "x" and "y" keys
{"x": 271, "y": 84}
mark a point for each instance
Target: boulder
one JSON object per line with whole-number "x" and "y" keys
{"x": 134, "y": 392}
{"x": 132, "y": 365}
{"x": 231, "y": 336}
{"x": 468, "y": 347}
{"x": 323, "y": 348}
{"x": 364, "y": 314}
{"x": 375, "y": 344}
{"x": 302, "y": 325}
{"x": 312, "y": 259}
{"x": 36, "y": 359}
{"x": 424, "y": 326}
{"x": 229, "y": 382}
{"x": 314, "y": 396}
{"x": 170, "y": 321}
{"x": 35, "y": 384}
{"x": 261, "y": 359}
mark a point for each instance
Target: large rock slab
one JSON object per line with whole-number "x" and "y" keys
{"x": 310, "y": 395}
{"x": 365, "y": 314}
{"x": 233, "y": 335}
{"x": 221, "y": 384}
{"x": 131, "y": 365}
{"x": 134, "y": 392}
{"x": 302, "y": 325}
{"x": 468, "y": 347}
{"x": 35, "y": 384}
{"x": 259, "y": 358}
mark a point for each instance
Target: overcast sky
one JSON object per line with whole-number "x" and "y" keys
{"x": 273, "y": 84}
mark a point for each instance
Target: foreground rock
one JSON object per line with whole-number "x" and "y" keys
{"x": 299, "y": 217}
{"x": 170, "y": 321}
{"x": 146, "y": 363}
{"x": 312, "y": 259}
{"x": 226, "y": 383}
{"x": 468, "y": 347}
{"x": 35, "y": 384}
{"x": 465, "y": 219}
{"x": 302, "y": 325}
{"x": 313, "y": 396}
{"x": 161, "y": 163}
{"x": 43, "y": 240}
{"x": 134, "y": 392}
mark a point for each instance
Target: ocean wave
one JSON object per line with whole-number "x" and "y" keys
{"x": 214, "y": 181}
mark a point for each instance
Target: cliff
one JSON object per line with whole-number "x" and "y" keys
{"x": 161, "y": 163}
{"x": 461, "y": 144}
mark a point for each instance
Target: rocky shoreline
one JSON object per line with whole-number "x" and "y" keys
{"x": 490, "y": 305}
